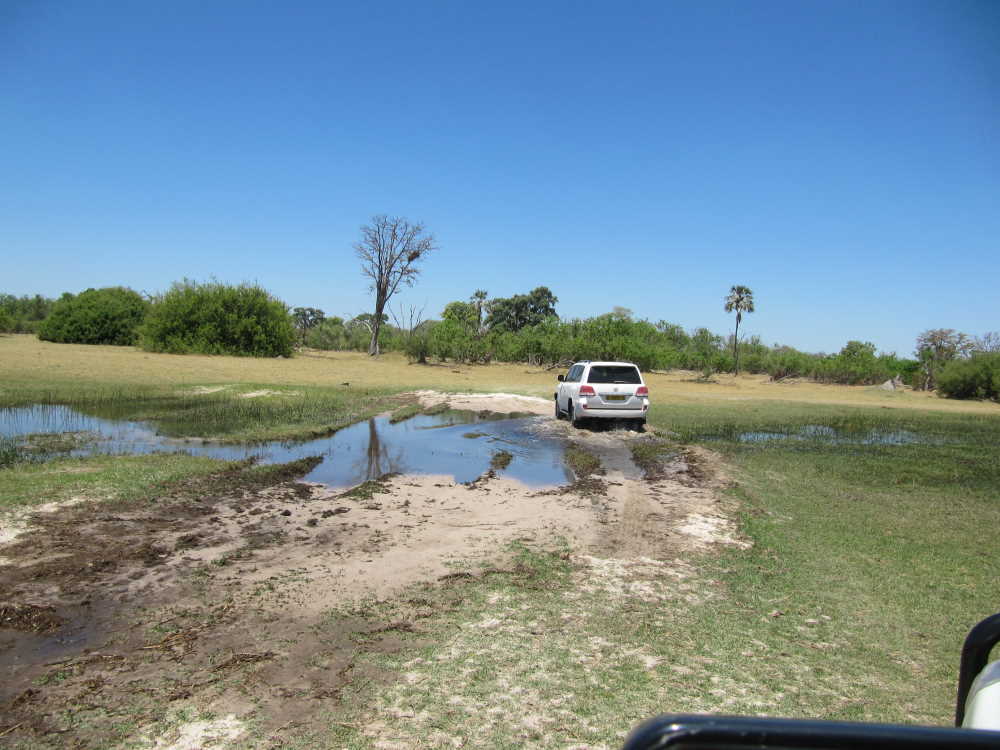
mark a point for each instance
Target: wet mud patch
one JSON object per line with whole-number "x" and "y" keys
{"x": 115, "y": 615}
{"x": 29, "y": 618}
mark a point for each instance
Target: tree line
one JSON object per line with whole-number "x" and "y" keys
{"x": 217, "y": 318}
{"x": 189, "y": 318}
{"x": 23, "y": 314}
{"x": 246, "y": 320}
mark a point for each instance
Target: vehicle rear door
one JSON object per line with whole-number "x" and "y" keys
{"x": 615, "y": 386}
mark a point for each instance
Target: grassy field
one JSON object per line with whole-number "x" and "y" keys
{"x": 30, "y": 368}
{"x": 873, "y": 552}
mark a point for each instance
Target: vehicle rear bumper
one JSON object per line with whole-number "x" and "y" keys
{"x": 613, "y": 413}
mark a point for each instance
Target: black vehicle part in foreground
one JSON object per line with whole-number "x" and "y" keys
{"x": 706, "y": 732}
{"x": 975, "y": 655}
{"x": 700, "y": 732}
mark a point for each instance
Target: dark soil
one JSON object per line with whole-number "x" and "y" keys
{"x": 29, "y": 618}
{"x": 107, "y": 624}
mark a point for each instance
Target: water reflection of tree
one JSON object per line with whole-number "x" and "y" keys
{"x": 379, "y": 457}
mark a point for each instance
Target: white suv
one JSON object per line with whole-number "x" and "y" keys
{"x": 607, "y": 390}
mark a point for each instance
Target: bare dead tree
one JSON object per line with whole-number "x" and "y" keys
{"x": 389, "y": 250}
{"x": 988, "y": 343}
{"x": 409, "y": 318}
{"x": 409, "y": 322}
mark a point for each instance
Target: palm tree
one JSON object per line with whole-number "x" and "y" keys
{"x": 740, "y": 299}
{"x": 478, "y": 298}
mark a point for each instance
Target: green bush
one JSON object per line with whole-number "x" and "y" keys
{"x": 329, "y": 335}
{"x": 418, "y": 342}
{"x": 95, "y": 316}
{"x": 977, "y": 377}
{"x": 216, "y": 318}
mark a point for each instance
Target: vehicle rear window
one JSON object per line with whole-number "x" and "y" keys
{"x": 614, "y": 374}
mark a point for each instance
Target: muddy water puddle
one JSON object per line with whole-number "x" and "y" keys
{"x": 457, "y": 444}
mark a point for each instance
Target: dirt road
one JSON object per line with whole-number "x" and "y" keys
{"x": 109, "y": 613}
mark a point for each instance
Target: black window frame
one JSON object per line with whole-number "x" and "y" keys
{"x": 623, "y": 368}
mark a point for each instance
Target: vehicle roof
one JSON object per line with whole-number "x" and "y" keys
{"x": 596, "y": 362}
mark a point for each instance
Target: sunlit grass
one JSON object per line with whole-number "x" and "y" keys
{"x": 95, "y": 477}
{"x": 870, "y": 562}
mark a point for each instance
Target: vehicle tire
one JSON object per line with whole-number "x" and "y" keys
{"x": 639, "y": 425}
{"x": 571, "y": 416}
{"x": 558, "y": 413}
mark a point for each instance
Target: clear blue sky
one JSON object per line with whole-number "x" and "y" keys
{"x": 840, "y": 158}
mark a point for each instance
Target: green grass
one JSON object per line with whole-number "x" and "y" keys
{"x": 650, "y": 454}
{"x": 582, "y": 462}
{"x": 368, "y": 489}
{"x": 698, "y": 422}
{"x": 870, "y": 562}
{"x": 96, "y": 477}
{"x": 404, "y": 412}
{"x": 11, "y": 452}
{"x": 501, "y": 460}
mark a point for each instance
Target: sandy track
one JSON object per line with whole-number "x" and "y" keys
{"x": 504, "y": 403}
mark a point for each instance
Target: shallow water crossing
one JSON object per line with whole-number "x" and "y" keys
{"x": 458, "y": 444}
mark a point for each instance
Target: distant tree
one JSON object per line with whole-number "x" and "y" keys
{"x": 40, "y": 307}
{"x": 478, "y": 298}
{"x": 621, "y": 313}
{"x": 25, "y": 313}
{"x": 522, "y": 310}
{"x": 988, "y": 343}
{"x": 462, "y": 313}
{"x": 457, "y": 335}
{"x": 856, "y": 363}
{"x": 330, "y": 334}
{"x": 858, "y": 350}
{"x": 6, "y": 322}
{"x": 367, "y": 320}
{"x": 389, "y": 250}
{"x": 673, "y": 334}
{"x": 705, "y": 345}
{"x": 944, "y": 344}
{"x": 975, "y": 377}
{"x": 96, "y": 316}
{"x": 305, "y": 319}
{"x": 937, "y": 346}
{"x": 740, "y": 300}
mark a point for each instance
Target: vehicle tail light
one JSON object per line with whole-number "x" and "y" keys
{"x": 642, "y": 391}
{"x": 586, "y": 390}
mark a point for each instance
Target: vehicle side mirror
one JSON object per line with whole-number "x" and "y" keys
{"x": 560, "y": 378}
